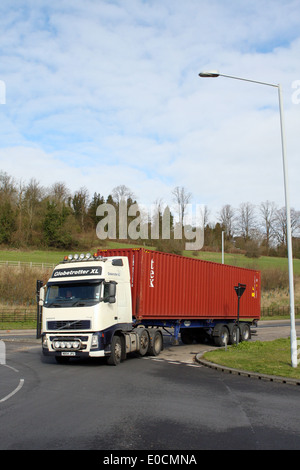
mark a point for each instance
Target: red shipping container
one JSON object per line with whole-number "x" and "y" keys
{"x": 167, "y": 286}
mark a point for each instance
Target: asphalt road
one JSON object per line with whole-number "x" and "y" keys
{"x": 165, "y": 403}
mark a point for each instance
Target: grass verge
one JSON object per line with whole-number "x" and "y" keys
{"x": 18, "y": 325}
{"x": 270, "y": 357}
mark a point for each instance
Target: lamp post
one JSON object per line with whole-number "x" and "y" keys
{"x": 214, "y": 74}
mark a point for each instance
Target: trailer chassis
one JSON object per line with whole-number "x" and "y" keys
{"x": 221, "y": 331}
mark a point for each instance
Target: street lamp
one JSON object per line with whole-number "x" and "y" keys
{"x": 214, "y": 74}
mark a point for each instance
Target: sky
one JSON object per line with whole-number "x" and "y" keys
{"x": 99, "y": 93}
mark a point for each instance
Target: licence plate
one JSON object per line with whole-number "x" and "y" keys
{"x": 68, "y": 353}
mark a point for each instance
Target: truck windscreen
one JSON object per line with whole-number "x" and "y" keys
{"x": 72, "y": 294}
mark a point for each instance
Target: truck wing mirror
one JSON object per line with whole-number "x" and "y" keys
{"x": 110, "y": 292}
{"x": 40, "y": 292}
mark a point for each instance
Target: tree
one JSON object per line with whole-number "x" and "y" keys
{"x": 280, "y": 227}
{"x": 181, "y": 198}
{"x": 60, "y": 194}
{"x": 7, "y": 188}
{"x": 55, "y": 230}
{"x": 123, "y": 199}
{"x": 122, "y": 193}
{"x": 227, "y": 217}
{"x": 80, "y": 205}
{"x": 7, "y": 222}
{"x": 268, "y": 216}
{"x": 33, "y": 196}
{"x": 246, "y": 220}
{"x": 96, "y": 201}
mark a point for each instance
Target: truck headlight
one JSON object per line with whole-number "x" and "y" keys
{"x": 95, "y": 342}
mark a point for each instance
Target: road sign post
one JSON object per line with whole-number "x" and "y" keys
{"x": 239, "y": 289}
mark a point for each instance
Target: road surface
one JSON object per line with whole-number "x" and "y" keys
{"x": 164, "y": 403}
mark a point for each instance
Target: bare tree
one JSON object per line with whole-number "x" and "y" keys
{"x": 8, "y": 189}
{"x": 122, "y": 193}
{"x": 60, "y": 193}
{"x": 246, "y": 219}
{"x": 181, "y": 198}
{"x": 227, "y": 217}
{"x": 280, "y": 227}
{"x": 205, "y": 216}
{"x": 268, "y": 215}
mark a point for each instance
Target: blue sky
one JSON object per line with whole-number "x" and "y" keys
{"x": 101, "y": 93}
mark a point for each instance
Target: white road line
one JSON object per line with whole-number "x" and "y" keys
{"x": 10, "y": 367}
{"x": 21, "y": 383}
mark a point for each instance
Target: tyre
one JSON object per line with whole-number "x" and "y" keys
{"x": 144, "y": 342}
{"x": 245, "y": 332}
{"x": 116, "y": 352}
{"x": 233, "y": 334}
{"x": 223, "y": 338}
{"x": 156, "y": 344}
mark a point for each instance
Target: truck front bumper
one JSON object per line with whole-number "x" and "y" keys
{"x": 70, "y": 345}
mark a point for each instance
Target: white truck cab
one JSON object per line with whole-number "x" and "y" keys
{"x": 86, "y": 310}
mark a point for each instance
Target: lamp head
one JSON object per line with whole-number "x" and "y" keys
{"x": 209, "y": 74}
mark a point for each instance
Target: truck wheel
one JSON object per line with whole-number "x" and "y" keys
{"x": 156, "y": 344}
{"x": 245, "y": 334}
{"x": 144, "y": 343}
{"x": 116, "y": 352}
{"x": 223, "y": 337}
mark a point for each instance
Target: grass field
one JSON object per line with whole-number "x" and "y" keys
{"x": 270, "y": 357}
{"x": 270, "y": 297}
{"x": 264, "y": 262}
{"x": 54, "y": 256}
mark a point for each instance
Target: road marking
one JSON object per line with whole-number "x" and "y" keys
{"x": 21, "y": 383}
{"x": 10, "y": 367}
{"x": 184, "y": 363}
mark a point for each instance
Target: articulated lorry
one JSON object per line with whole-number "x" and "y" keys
{"x": 121, "y": 301}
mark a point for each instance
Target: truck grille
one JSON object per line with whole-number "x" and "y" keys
{"x": 69, "y": 325}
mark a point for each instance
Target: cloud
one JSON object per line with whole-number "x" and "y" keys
{"x": 101, "y": 93}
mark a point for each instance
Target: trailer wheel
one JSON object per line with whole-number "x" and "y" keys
{"x": 233, "y": 334}
{"x": 156, "y": 344}
{"x": 116, "y": 352}
{"x": 223, "y": 337}
{"x": 245, "y": 332}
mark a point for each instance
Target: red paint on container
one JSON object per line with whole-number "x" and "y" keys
{"x": 167, "y": 286}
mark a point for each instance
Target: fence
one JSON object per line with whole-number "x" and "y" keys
{"x": 24, "y": 314}
{"x": 280, "y": 311}
{"x": 17, "y": 314}
{"x": 19, "y": 264}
